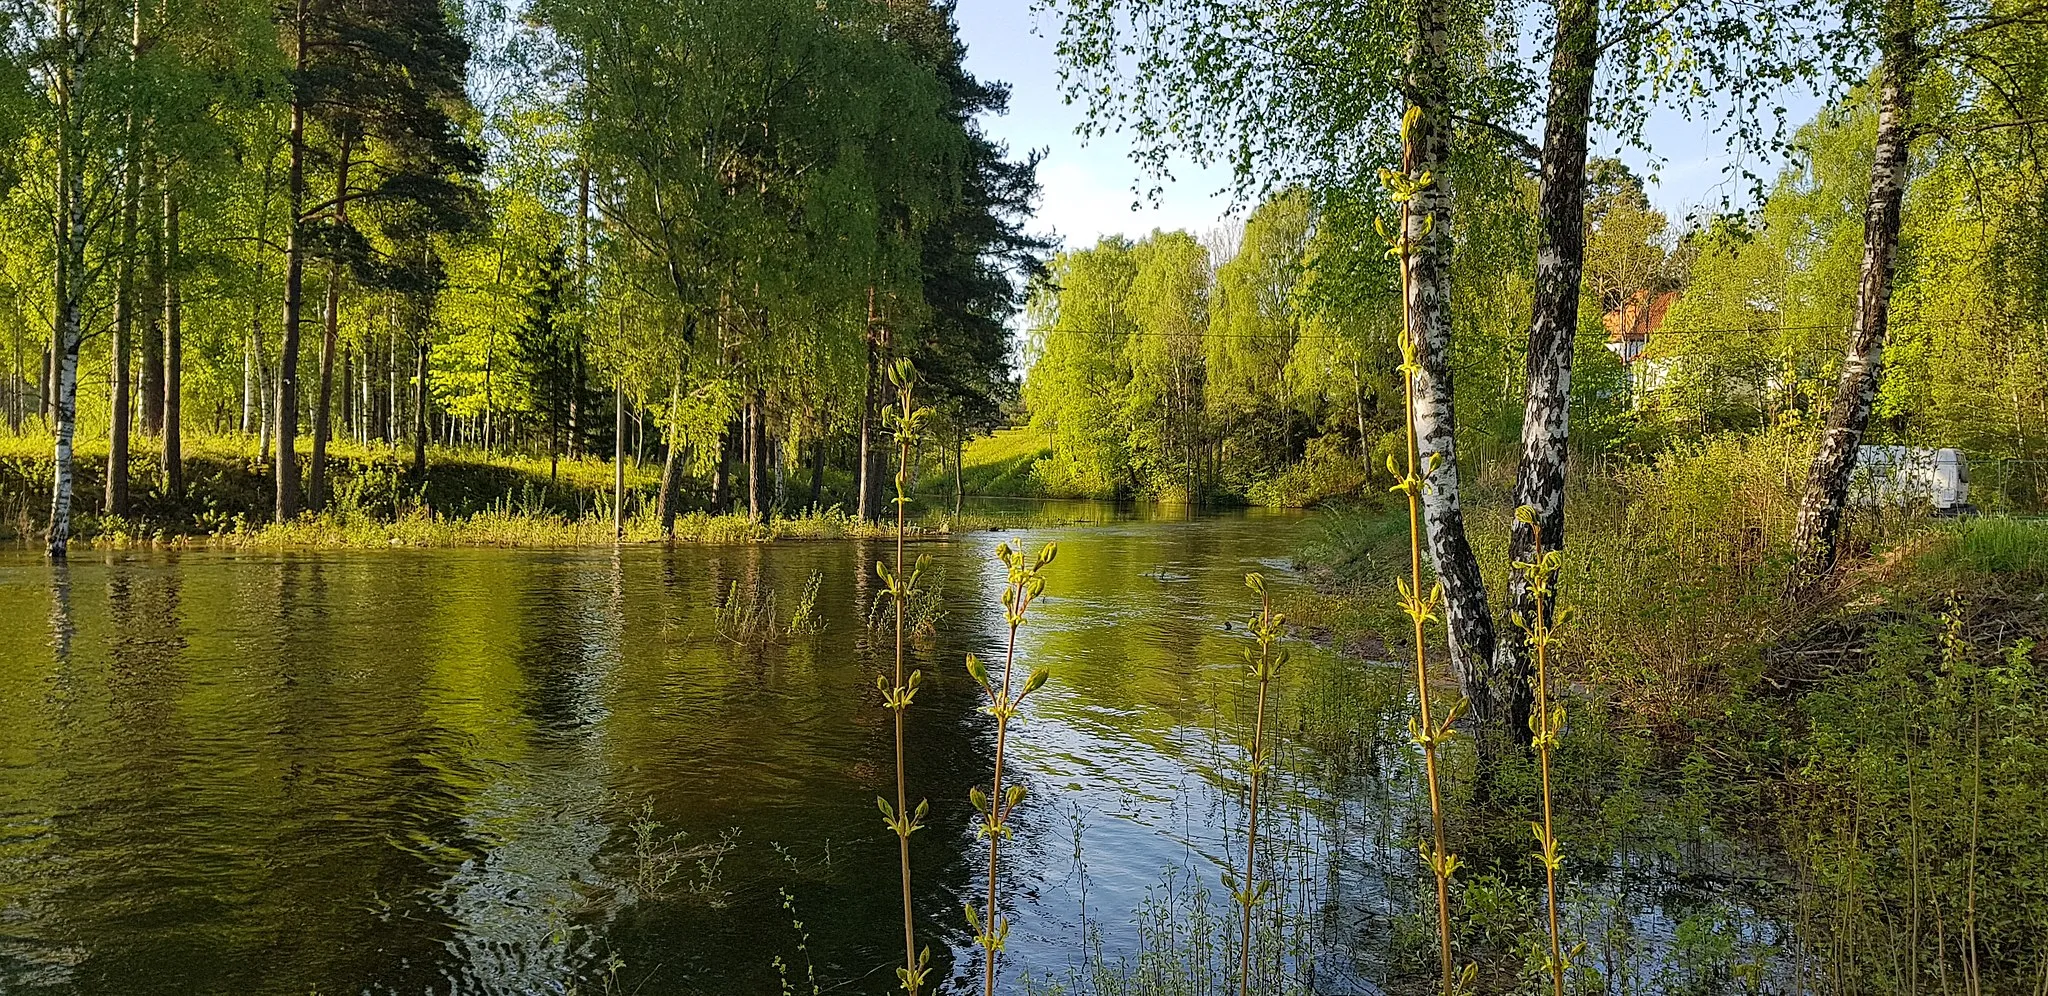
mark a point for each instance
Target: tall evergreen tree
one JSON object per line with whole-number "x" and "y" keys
{"x": 384, "y": 81}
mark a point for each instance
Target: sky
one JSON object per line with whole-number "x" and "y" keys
{"x": 1089, "y": 188}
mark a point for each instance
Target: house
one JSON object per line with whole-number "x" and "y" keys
{"x": 1630, "y": 326}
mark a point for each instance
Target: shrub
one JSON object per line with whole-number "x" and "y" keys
{"x": 1327, "y": 470}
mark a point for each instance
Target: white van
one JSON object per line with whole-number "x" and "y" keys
{"x": 1912, "y": 475}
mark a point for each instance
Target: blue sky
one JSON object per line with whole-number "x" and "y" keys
{"x": 1088, "y": 188}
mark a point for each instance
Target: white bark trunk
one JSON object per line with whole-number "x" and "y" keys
{"x": 71, "y": 238}
{"x": 1429, "y": 298}
{"x": 1819, "y": 528}
{"x": 1553, "y": 325}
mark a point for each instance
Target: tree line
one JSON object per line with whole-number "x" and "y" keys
{"x": 560, "y": 229}
{"x": 1496, "y": 184}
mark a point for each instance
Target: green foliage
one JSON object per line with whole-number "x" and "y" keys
{"x": 1153, "y": 375}
{"x": 1925, "y": 813}
{"x": 1329, "y": 468}
{"x": 2015, "y": 549}
{"x": 726, "y": 214}
{"x": 1000, "y": 464}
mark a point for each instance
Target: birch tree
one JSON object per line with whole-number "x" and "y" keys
{"x": 1263, "y": 87}
{"x": 75, "y": 64}
{"x": 1993, "y": 59}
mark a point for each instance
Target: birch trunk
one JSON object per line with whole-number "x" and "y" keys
{"x": 1816, "y": 537}
{"x": 864, "y": 485}
{"x": 576, "y": 370}
{"x": 248, "y": 383}
{"x": 1429, "y": 307}
{"x": 71, "y": 240}
{"x": 1554, "y": 322}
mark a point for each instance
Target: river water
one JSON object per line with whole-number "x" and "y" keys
{"x": 493, "y": 771}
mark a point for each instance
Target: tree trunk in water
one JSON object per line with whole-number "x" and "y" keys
{"x": 71, "y": 241}
{"x": 316, "y": 486}
{"x": 174, "y": 355}
{"x": 1427, "y": 147}
{"x": 1554, "y": 322}
{"x": 419, "y": 412}
{"x": 294, "y": 287}
{"x": 757, "y": 457}
{"x": 1816, "y": 537}
{"x": 864, "y": 485}
{"x": 817, "y": 472}
{"x": 65, "y": 423}
{"x": 721, "y": 476}
{"x": 666, "y": 502}
{"x": 959, "y": 458}
{"x": 618, "y": 460}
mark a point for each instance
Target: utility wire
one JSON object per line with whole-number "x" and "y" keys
{"x": 1670, "y": 333}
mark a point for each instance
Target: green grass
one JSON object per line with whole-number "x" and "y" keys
{"x": 468, "y": 498}
{"x": 997, "y": 465}
{"x": 1994, "y": 545}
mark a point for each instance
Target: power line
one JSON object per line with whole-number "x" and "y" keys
{"x": 1752, "y": 330}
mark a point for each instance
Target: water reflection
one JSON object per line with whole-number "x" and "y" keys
{"x": 443, "y": 771}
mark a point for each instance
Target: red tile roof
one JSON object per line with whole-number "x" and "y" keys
{"x": 1639, "y": 316}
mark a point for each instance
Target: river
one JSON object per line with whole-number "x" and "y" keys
{"x": 517, "y": 771}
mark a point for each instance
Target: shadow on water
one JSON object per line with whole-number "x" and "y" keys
{"x": 497, "y": 771}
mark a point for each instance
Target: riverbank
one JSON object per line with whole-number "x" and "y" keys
{"x": 1883, "y": 738}
{"x": 465, "y": 499}
{"x": 1019, "y": 462}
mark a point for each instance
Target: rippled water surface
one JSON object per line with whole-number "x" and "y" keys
{"x": 520, "y": 771}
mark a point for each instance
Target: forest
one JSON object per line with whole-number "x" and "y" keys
{"x": 528, "y": 233}
{"x": 408, "y": 402}
{"x": 536, "y": 231}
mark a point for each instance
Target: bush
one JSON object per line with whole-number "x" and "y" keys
{"x": 1327, "y": 470}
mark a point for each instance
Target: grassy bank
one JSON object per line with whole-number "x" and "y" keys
{"x": 997, "y": 465}
{"x": 1018, "y": 462}
{"x": 1882, "y": 742}
{"x": 465, "y": 499}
